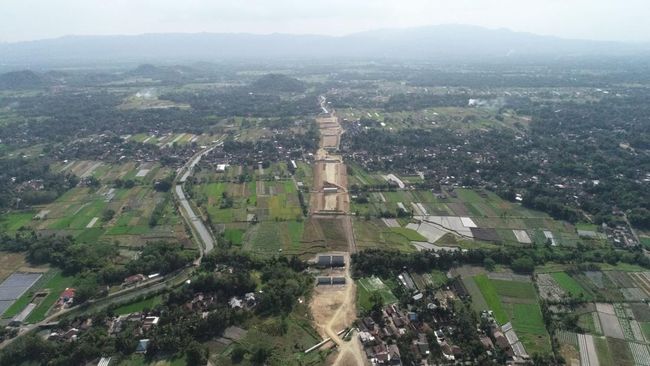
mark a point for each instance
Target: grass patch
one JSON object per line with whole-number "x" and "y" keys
{"x": 491, "y": 296}
{"x": 602, "y": 350}
{"x": 90, "y": 235}
{"x": 14, "y": 221}
{"x": 409, "y": 234}
{"x": 586, "y": 226}
{"x": 528, "y": 318}
{"x": 235, "y": 236}
{"x": 369, "y": 285}
{"x": 518, "y": 289}
{"x": 571, "y": 286}
{"x": 586, "y": 322}
{"x": 645, "y": 327}
{"x": 148, "y": 303}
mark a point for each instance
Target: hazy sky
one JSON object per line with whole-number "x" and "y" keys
{"x": 625, "y": 20}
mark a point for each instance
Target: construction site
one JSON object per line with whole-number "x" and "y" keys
{"x": 333, "y": 304}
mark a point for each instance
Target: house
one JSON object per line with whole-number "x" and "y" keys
{"x": 235, "y": 303}
{"x": 366, "y": 337}
{"x": 501, "y": 341}
{"x": 69, "y": 335}
{"x": 250, "y": 299}
{"x": 149, "y": 322}
{"x": 407, "y": 281}
{"x": 394, "y": 357}
{"x": 132, "y": 280}
{"x": 413, "y": 317}
{"x": 142, "y": 347}
{"x": 104, "y": 361}
{"x": 486, "y": 342}
{"x": 66, "y": 298}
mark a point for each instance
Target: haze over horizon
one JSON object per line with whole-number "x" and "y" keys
{"x": 606, "y": 20}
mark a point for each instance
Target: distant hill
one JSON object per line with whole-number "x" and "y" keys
{"x": 24, "y": 79}
{"x": 278, "y": 83}
{"x": 166, "y": 73}
{"x": 444, "y": 42}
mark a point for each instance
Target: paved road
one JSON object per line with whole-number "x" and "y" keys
{"x": 207, "y": 242}
{"x": 124, "y": 295}
{"x": 197, "y": 224}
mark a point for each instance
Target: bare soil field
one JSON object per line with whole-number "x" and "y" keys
{"x": 9, "y": 263}
{"x": 334, "y": 309}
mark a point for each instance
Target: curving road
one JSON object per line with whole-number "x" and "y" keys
{"x": 206, "y": 244}
{"x": 206, "y": 240}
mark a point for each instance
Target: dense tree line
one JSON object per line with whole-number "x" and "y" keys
{"x": 389, "y": 263}
{"x": 95, "y": 264}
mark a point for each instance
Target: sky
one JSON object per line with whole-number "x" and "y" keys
{"x": 618, "y": 20}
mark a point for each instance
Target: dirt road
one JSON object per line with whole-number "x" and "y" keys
{"x": 334, "y": 308}
{"x": 351, "y": 352}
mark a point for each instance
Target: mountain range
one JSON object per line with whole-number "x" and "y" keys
{"x": 442, "y": 42}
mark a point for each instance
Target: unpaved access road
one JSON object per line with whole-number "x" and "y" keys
{"x": 334, "y": 307}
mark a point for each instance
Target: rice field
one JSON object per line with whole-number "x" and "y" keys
{"x": 497, "y": 221}
{"x": 571, "y": 286}
{"x": 516, "y": 302}
{"x": 108, "y": 212}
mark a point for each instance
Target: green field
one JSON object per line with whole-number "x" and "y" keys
{"x": 235, "y": 236}
{"x": 645, "y": 327}
{"x": 13, "y": 221}
{"x": 516, "y": 301}
{"x": 269, "y": 237}
{"x": 375, "y": 234}
{"x": 22, "y": 301}
{"x": 409, "y": 234}
{"x": 148, "y": 303}
{"x": 55, "y": 286}
{"x": 491, "y": 296}
{"x": 369, "y": 285}
{"x": 518, "y": 289}
{"x": 571, "y": 286}
{"x": 527, "y": 318}
{"x": 288, "y": 347}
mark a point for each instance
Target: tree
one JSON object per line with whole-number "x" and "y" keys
{"x": 260, "y": 355}
{"x": 108, "y": 214}
{"x": 196, "y": 354}
{"x": 489, "y": 264}
{"x": 238, "y": 353}
{"x": 523, "y": 265}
